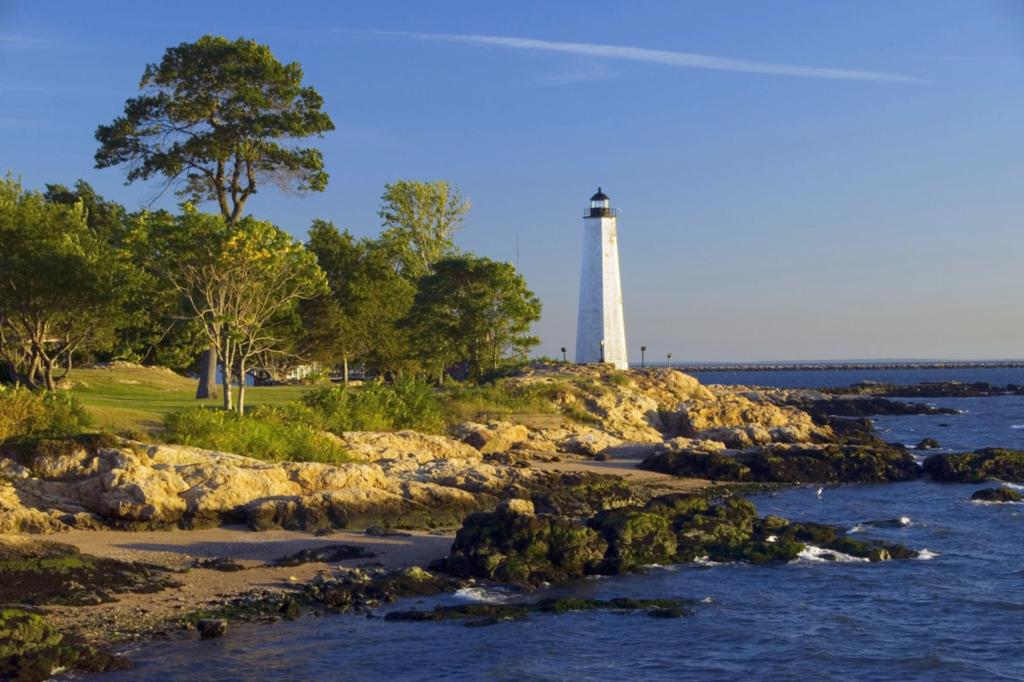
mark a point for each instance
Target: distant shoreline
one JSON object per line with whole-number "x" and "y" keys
{"x": 834, "y": 366}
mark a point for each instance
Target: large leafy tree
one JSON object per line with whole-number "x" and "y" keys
{"x": 62, "y": 286}
{"x": 155, "y": 328}
{"x": 240, "y": 280}
{"x": 475, "y": 311}
{"x": 218, "y": 119}
{"x": 420, "y": 221}
{"x": 215, "y": 119}
{"x": 359, "y": 318}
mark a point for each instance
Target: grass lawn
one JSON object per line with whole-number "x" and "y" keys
{"x": 137, "y": 398}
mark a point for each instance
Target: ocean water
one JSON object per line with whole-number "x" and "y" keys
{"x": 956, "y": 615}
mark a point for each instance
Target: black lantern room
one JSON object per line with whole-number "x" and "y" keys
{"x": 600, "y": 206}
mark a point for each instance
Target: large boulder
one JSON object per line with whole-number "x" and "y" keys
{"x": 589, "y": 442}
{"x": 515, "y": 545}
{"x": 524, "y": 548}
{"x": 15, "y": 517}
{"x": 1002, "y": 494}
{"x": 732, "y": 417}
{"x": 635, "y": 538}
{"x": 496, "y": 436}
{"x": 416, "y": 480}
{"x": 781, "y": 463}
{"x": 980, "y": 465}
{"x": 374, "y": 446}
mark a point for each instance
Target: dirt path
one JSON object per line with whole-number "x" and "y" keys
{"x": 623, "y": 462}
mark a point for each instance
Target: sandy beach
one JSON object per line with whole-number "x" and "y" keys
{"x": 134, "y": 614}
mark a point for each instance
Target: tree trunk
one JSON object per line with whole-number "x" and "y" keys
{"x": 241, "y": 386}
{"x": 228, "y": 403}
{"x": 227, "y": 363}
{"x": 207, "y": 375}
{"x": 48, "y": 374}
{"x": 32, "y": 375}
{"x": 344, "y": 370}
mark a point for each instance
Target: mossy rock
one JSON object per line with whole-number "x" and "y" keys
{"x": 1000, "y": 494}
{"x": 490, "y": 614}
{"x": 31, "y": 650}
{"x": 816, "y": 534}
{"x": 323, "y": 514}
{"x": 585, "y": 494}
{"x": 696, "y": 534}
{"x": 827, "y": 463}
{"x": 757, "y": 551}
{"x": 524, "y": 548}
{"x": 873, "y": 550}
{"x": 635, "y": 539}
{"x": 528, "y": 549}
{"x": 975, "y": 467}
{"x": 678, "y": 504}
{"x": 42, "y": 572}
{"x": 714, "y": 466}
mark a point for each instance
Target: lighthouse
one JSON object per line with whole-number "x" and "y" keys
{"x": 600, "y": 330}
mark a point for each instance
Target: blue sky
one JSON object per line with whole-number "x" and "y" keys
{"x": 797, "y": 180}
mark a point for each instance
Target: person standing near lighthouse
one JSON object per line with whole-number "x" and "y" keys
{"x": 600, "y": 329}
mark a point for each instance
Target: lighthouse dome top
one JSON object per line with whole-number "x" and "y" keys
{"x": 600, "y": 206}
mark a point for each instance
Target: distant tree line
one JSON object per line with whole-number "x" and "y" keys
{"x": 84, "y": 279}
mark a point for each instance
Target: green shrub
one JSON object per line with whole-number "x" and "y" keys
{"x": 30, "y": 415}
{"x": 403, "y": 404}
{"x": 275, "y": 433}
{"x": 488, "y": 401}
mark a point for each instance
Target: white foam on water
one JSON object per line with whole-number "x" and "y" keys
{"x": 1015, "y": 486}
{"x": 480, "y": 594}
{"x": 926, "y": 554}
{"x": 856, "y": 529}
{"x": 1017, "y": 426}
{"x": 819, "y": 554}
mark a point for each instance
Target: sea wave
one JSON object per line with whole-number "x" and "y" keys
{"x": 926, "y": 554}
{"x": 482, "y": 594}
{"x": 1017, "y": 426}
{"x": 815, "y": 554}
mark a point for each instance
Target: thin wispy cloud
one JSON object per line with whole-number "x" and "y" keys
{"x": 688, "y": 60}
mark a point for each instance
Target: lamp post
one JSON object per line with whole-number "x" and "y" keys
{"x": 668, "y": 358}
{"x": 563, "y": 354}
{"x": 643, "y": 349}
{"x": 602, "y": 351}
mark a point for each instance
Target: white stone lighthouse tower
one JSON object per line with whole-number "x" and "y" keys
{"x": 600, "y": 330}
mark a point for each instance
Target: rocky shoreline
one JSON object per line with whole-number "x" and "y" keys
{"x": 629, "y": 484}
